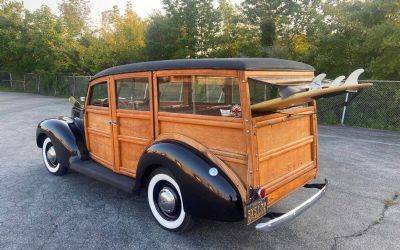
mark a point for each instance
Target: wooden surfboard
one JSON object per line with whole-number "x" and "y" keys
{"x": 304, "y": 97}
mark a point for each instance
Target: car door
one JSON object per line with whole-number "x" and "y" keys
{"x": 132, "y": 112}
{"x": 99, "y": 124}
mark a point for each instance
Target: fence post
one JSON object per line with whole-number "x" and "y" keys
{"x": 11, "y": 81}
{"x": 38, "y": 83}
{"x": 344, "y": 109}
{"x": 24, "y": 83}
{"x": 73, "y": 89}
{"x": 55, "y": 86}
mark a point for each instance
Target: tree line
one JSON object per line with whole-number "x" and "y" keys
{"x": 335, "y": 36}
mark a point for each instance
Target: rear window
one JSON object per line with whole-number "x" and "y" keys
{"x": 260, "y": 91}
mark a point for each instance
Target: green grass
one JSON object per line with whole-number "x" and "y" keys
{"x": 5, "y": 89}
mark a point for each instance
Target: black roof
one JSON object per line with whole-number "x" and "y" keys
{"x": 216, "y": 63}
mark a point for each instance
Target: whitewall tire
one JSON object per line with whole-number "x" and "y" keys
{"x": 165, "y": 201}
{"x": 50, "y": 158}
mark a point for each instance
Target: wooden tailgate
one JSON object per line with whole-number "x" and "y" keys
{"x": 287, "y": 151}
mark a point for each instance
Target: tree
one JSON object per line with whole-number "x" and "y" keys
{"x": 120, "y": 40}
{"x": 74, "y": 14}
{"x": 12, "y": 30}
{"x": 358, "y": 34}
{"x": 195, "y": 23}
{"x": 236, "y": 37}
{"x": 162, "y": 39}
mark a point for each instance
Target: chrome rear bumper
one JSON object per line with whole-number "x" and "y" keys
{"x": 285, "y": 218}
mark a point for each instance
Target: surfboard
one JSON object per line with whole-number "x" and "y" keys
{"x": 304, "y": 97}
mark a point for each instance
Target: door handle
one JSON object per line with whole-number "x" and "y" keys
{"x": 111, "y": 123}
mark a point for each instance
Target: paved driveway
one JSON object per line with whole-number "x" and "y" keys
{"x": 41, "y": 211}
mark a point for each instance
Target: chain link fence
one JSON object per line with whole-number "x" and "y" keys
{"x": 45, "y": 84}
{"x": 375, "y": 107}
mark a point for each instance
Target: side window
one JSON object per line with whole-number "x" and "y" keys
{"x": 202, "y": 95}
{"x": 99, "y": 95}
{"x": 260, "y": 91}
{"x": 133, "y": 94}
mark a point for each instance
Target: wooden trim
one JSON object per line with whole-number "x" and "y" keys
{"x": 98, "y": 132}
{"x": 99, "y": 80}
{"x": 296, "y": 111}
{"x": 206, "y": 122}
{"x": 314, "y": 132}
{"x": 155, "y": 103}
{"x": 102, "y": 161}
{"x": 285, "y": 148}
{"x": 143, "y": 115}
{"x": 224, "y": 153}
{"x": 98, "y": 110}
{"x": 127, "y": 171}
{"x": 248, "y": 133}
{"x": 114, "y": 129}
{"x": 144, "y": 74}
{"x": 134, "y": 140}
{"x": 232, "y": 159}
{"x": 199, "y": 72}
{"x": 201, "y": 117}
{"x": 281, "y": 181}
{"x": 249, "y": 73}
{"x": 282, "y": 118}
{"x": 290, "y": 187}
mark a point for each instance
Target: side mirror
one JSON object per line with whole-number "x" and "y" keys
{"x": 72, "y": 100}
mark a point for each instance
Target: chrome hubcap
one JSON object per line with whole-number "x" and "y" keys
{"x": 51, "y": 155}
{"x": 167, "y": 200}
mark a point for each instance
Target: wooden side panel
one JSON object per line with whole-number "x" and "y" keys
{"x": 286, "y": 149}
{"x": 222, "y": 136}
{"x": 134, "y": 134}
{"x": 99, "y": 136}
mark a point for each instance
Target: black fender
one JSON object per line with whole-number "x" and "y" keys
{"x": 67, "y": 136}
{"x": 204, "y": 196}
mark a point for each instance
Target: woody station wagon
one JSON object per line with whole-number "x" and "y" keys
{"x": 197, "y": 134}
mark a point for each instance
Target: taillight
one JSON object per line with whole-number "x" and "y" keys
{"x": 261, "y": 193}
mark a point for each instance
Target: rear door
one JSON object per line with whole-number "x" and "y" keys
{"x": 98, "y": 123}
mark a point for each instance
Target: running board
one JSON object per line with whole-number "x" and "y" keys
{"x": 98, "y": 172}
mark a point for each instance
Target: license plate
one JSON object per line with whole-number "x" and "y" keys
{"x": 256, "y": 210}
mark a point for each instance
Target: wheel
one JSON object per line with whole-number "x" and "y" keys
{"x": 165, "y": 201}
{"x": 50, "y": 159}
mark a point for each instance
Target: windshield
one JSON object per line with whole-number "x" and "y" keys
{"x": 261, "y": 91}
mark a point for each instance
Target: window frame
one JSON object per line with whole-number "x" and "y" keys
{"x": 113, "y": 84}
{"x": 148, "y": 91}
{"x": 91, "y": 86}
{"x": 238, "y": 74}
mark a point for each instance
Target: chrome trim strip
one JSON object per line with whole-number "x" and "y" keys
{"x": 287, "y": 217}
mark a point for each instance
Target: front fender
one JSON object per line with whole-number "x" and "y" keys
{"x": 66, "y": 136}
{"x": 205, "y": 196}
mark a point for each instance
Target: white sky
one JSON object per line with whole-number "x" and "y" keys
{"x": 143, "y": 7}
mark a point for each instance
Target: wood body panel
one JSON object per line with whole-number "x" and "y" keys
{"x": 286, "y": 149}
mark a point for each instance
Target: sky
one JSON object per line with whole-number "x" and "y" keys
{"x": 143, "y": 7}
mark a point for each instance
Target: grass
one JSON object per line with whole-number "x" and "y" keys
{"x": 5, "y": 89}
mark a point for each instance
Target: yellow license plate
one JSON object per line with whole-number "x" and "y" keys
{"x": 256, "y": 210}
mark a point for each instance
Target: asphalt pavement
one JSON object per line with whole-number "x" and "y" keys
{"x": 361, "y": 209}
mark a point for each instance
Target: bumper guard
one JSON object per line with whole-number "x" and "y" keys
{"x": 287, "y": 217}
